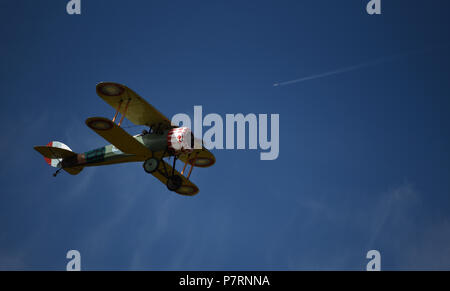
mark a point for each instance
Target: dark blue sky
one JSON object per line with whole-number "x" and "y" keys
{"x": 364, "y": 155}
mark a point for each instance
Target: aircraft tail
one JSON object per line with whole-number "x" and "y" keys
{"x": 54, "y": 152}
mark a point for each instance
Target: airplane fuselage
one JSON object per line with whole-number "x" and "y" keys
{"x": 109, "y": 154}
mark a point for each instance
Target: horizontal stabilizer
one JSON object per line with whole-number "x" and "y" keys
{"x": 54, "y": 152}
{"x": 73, "y": 171}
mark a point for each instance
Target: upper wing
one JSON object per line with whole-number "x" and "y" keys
{"x": 117, "y": 136}
{"x": 138, "y": 110}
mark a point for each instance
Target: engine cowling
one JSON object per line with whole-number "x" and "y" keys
{"x": 180, "y": 140}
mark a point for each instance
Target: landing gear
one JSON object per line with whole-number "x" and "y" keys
{"x": 174, "y": 183}
{"x": 151, "y": 165}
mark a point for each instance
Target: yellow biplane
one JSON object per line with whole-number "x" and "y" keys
{"x": 161, "y": 140}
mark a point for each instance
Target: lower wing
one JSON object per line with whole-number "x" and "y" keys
{"x": 163, "y": 173}
{"x": 117, "y": 136}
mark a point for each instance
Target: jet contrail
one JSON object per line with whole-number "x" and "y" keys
{"x": 330, "y": 73}
{"x": 353, "y": 68}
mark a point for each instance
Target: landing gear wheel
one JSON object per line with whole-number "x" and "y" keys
{"x": 174, "y": 182}
{"x": 151, "y": 165}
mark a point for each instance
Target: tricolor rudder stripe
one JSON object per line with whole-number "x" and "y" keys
{"x": 55, "y": 144}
